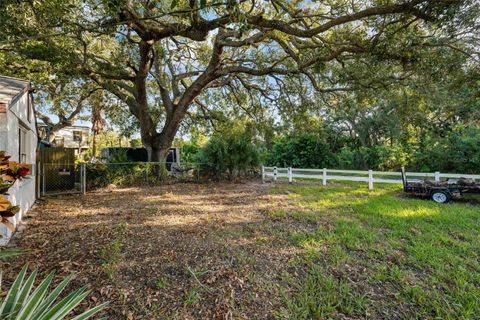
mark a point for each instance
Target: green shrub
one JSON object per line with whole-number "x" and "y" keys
{"x": 389, "y": 157}
{"x": 125, "y": 174}
{"x": 456, "y": 151}
{"x": 301, "y": 151}
{"x": 118, "y": 156}
{"x": 229, "y": 154}
{"x": 378, "y": 157}
{"x": 189, "y": 152}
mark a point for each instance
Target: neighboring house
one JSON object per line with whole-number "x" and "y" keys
{"x": 18, "y": 137}
{"x": 71, "y": 137}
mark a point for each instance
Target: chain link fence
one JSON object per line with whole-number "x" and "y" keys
{"x": 69, "y": 178}
{"x": 100, "y": 175}
{"x": 61, "y": 178}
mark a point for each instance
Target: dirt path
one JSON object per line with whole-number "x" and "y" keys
{"x": 184, "y": 251}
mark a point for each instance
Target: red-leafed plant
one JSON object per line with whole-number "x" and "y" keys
{"x": 10, "y": 171}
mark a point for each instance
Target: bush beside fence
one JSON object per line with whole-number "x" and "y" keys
{"x": 139, "y": 173}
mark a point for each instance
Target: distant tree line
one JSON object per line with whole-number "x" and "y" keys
{"x": 238, "y": 153}
{"x": 456, "y": 151}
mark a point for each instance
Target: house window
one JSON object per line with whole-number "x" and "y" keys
{"x": 77, "y": 136}
{"x": 22, "y": 145}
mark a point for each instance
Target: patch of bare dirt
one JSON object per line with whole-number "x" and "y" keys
{"x": 184, "y": 251}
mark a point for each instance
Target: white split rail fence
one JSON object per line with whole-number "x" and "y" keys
{"x": 369, "y": 176}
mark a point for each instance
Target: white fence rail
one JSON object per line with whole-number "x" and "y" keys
{"x": 369, "y": 176}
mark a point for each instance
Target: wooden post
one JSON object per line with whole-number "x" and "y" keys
{"x": 274, "y": 173}
{"x": 437, "y": 176}
{"x": 370, "y": 180}
{"x": 263, "y": 173}
{"x": 290, "y": 175}
{"x": 324, "y": 182}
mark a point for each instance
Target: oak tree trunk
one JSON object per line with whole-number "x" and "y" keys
{"x": 158, "y": 153}
{"x": 160, "y": 144}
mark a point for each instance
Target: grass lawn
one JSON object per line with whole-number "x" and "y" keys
{"x": 381, "y": 255}
{"x": 259, "y": 251}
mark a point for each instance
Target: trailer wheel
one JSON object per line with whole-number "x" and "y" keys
{"x": 440, "y": 196}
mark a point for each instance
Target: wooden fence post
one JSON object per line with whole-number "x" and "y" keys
{"x": 324, "y": 182}
{"x": 263, "y": 173}
{"x": 370, "y": 180}
{"x": 290, "y": 175}
{"x": 437, "y": 176}
{"x": 274, "y": 173}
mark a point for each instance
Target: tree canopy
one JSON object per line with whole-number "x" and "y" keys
{"x": 167, "y": 62}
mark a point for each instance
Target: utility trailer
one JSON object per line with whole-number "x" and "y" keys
{"x": 440, "y": 191}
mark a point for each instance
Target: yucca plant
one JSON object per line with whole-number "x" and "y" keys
{"x": 8, "y": 253}
{"x": 24, "y": 302}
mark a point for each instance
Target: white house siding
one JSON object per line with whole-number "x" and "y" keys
{"x": 17, "y": 117}
{"x": 3, "y": 131}
{"x": 66, "y": 134}
{"x": 22, "y": 192}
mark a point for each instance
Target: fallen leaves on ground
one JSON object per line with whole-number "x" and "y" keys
{"x": 184, "y": 251}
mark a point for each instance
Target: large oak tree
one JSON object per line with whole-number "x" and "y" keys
{"x": 161, "y": 57}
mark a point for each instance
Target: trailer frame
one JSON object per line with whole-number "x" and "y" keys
{"x": 440, "y": 192}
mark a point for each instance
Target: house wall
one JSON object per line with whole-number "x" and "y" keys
{"x": 22, "y": 193}
{"x": 16, "y": 117}
{"x": 3, "y": 131}
{"x": 67, "y": 135}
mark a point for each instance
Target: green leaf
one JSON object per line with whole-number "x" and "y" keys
{"x": 91, "y": 312}
{"x": 70, "y": 304}
{"x": 43, "y": 308}
{"x": 35, "y": 299}
{"x": 58, "y": 309}
{"x": 10, "y": 253}
{"x": 24, "y": 292}
{"x": 21, "y": 304}
{"x": 7, "y": 304}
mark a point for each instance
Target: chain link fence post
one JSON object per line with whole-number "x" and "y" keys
{"x": 84, "y": 178}
{"x": 43, "y": 179}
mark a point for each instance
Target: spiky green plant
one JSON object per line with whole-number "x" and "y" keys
{"x": 24, "y": 302}
{"x": 4, "y": 254}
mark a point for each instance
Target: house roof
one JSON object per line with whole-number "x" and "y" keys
{"x": 11, "y": 87}
{"x": 42, "y": 124}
